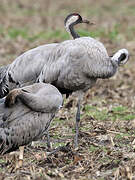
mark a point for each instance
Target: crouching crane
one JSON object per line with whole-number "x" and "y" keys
{"x": 26, "y": 114}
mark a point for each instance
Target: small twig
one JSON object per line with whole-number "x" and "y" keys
{"x": 121, "y": 113}
{"x": 114, "y": 132}
{"x": 111, "y": 139}
{"x": 64, "y": 148}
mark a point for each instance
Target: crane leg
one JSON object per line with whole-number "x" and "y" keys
{"x": 48, "y": 140}
{"x": 49, "y": 145}
{"x": 77, "y": 124}
{"x": 21, "y": 148}
{"x": 20, "y": 162}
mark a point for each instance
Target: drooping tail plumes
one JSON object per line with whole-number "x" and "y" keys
{"x": 3, "y": 87}
{"x": 3, "y": 84}
{"x": 121, "y": 57}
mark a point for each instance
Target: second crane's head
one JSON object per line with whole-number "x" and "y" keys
{"x": 71, "y": 20}
{"x": 121, "y": 57}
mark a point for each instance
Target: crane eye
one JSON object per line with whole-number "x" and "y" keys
{"x": 122, "y": 57}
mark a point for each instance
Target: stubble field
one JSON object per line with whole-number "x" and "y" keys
{"x": 107, "y": 128}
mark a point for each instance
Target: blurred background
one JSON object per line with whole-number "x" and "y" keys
{"x": 25, "y": 24}
{"x": 29, "y": 23}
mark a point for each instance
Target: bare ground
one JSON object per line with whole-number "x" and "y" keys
{"x": 107, "y": 136}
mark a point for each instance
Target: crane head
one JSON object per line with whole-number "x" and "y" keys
{"x": 121, "y": 56}
{"x": 75, "y": 18}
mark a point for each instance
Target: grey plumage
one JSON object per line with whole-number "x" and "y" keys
{"x": 25, "y": 69}
{"x": 3, "y": 86}
{"x": 26, "y": 115}
{"x": 75, "y": 65}
{"x": 3, "y": 70}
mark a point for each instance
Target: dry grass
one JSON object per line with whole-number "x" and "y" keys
{"x": 107, "y": 149}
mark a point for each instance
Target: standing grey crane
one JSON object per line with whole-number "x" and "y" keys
{"x": 25, "y": 69}
{"x": 26, "y": 114}
{"x": 75, "y": 65}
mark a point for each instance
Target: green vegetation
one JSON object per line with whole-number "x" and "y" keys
{"x": 93, "y": 148}
{"x": 27, "y": 24}
{"x": 14, "y": 33}
{"x": 117, "y": 113}
{"x": 59, "y": 34}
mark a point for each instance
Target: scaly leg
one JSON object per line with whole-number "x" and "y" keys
{"x": 77, "y": 124}
{"x": 20, "y": 162}
{"x": 48, "y": 140}
{"x": 80, "y": 98}
{"x": 47, "y": 133}
{"x": 21, "y": 148}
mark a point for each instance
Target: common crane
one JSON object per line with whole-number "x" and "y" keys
{"x": 25, "y": 69}
{"x": 75, "y": 65}
{"x": 26, "y": 114}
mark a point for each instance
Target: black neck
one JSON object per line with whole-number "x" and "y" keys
{"x": 72, "y": 32}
